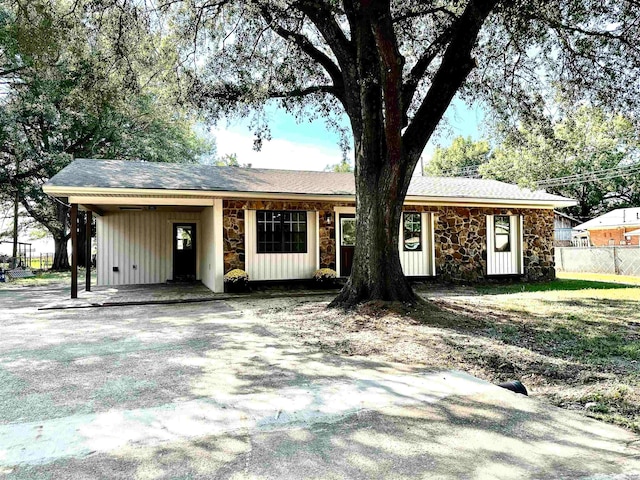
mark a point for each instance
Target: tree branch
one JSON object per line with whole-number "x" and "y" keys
{"x": 454, "y": 69}
{"x": 419, "y": 69}
{"x": 421, "y": 13}
{"x": 322, "y": 17}
{"x": 307, "y": 47}
{"x": 302, "y": 92}
{"x": 10, "y": 71}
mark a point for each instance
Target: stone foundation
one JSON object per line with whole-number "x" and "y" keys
{"x": 460, "y": 237}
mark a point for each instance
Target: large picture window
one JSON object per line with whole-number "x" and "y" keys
{"x": 282, "y": 232}
{"x": 412, "y": 228}
{"x": 502, "y": 233}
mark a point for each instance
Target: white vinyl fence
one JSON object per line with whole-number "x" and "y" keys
{"x": 612, "y": 260}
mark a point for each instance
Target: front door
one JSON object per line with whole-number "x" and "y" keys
{"x": 184, "y": 252}
{"x": 347, "y": 242}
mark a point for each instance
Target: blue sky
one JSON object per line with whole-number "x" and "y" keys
{"x": 311, "y": 146}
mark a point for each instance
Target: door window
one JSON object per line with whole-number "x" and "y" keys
{"x": 412, "y": 231}
{"x": 184, "y": 238}
{"x": 502, "y": 231}
{"x": 347, "y": 232}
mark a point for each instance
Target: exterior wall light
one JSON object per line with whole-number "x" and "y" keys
{"x": 328, "y": 217}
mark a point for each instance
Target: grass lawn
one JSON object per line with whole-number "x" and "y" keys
{"x": 600, "y": 277}
{"x": 574, "y": 343}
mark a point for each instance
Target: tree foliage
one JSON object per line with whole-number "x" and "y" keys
{"x": 462, "y": 155}
{"x": 230, "y": 160}
{"x": 342, "y": 167}
{"x": 78, "y": 84}
{"x": 583, "y": 141}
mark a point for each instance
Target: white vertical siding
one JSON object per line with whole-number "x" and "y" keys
{"x": 218, "y": 246}
{"x": 207, "y": 257}
{"x": 505, "y": 263}
{"x": 280, "y": 266}
{"x": 418, "y": 263}
{"x": 143, "y": 239}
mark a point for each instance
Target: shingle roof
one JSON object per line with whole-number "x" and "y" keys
{"x": 180, "y": 176}
{"x": 619, "y": 217}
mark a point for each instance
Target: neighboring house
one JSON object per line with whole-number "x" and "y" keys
{"x": 563, "y": 228}
{"x": 159, "y": 222}
{"x": 617, "y": 227}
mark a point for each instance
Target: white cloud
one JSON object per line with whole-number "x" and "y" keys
{"x": 277, "y": 153}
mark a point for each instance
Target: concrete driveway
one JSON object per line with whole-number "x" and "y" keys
{"x": 208, "y": 390}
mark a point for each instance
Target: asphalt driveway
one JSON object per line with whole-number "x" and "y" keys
{"x": 208, "y": 390}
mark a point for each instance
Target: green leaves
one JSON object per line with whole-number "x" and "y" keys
{"x": 463, "y": 155}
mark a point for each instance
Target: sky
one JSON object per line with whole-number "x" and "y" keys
{"x": 311, "y": 146}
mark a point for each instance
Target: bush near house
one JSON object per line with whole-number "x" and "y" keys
{"x": 236, "y": 281}
{"x": 325, "y": 278}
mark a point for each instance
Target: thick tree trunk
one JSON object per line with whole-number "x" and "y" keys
{"x": 60, "y": 238}
{"x": 382, "y": 168}
{"x": 377, "y": 273}
{"x": 61, "y": 257}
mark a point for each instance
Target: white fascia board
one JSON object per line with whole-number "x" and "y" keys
{"x": 193, "y": 202}
{"x": 99, "y": 196}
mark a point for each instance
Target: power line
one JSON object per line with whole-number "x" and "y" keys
{"x": 594, "y": 176}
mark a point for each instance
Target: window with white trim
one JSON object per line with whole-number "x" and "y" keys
{"x": 281, "y": 231}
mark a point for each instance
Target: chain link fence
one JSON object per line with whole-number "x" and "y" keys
{"x": 618, "y": 260}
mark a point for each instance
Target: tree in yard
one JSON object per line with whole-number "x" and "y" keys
{"x": 393, "y": 67}
{"x": 462, "y": 155}
{"x": 67, "y": 97}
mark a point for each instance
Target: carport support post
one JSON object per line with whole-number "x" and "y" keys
{"x": 74, "y": 250}
{"x": 87, "y": 251}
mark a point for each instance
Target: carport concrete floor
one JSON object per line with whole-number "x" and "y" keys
{"x": 208, "y": 390}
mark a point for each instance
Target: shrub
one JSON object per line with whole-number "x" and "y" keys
{"x": 236, "y": 280}
{"x": 325, "y": 277}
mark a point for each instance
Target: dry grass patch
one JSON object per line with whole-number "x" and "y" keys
{"x": 576, "y": 348}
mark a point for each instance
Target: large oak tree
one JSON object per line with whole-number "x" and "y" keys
{"x": 394, "y": 67}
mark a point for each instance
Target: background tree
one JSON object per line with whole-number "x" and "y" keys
{"x": 462, "y": 157}
{"x": 230, "y": 160}
{"x": 69, "y": 97}
{"x": 343, "y": 167}
{"x": 600, "y": 150}
{"x": 393, "y": 67}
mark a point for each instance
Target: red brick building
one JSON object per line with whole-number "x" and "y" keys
{"x": 617, "y": 227}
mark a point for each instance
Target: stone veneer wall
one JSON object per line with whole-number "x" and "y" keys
{"x": 460, "y": 237}
{"x": 233, "y": 214}
{"x": 461, "y": 242}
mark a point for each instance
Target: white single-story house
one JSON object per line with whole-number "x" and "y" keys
{"x": 170, "y": 222}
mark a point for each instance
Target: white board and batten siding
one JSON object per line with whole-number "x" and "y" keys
{"x": 505, "y": 263}
{"x": 280, "y": 266}
{"x": 419, "y": 263}
{"x": 140, "y": 244}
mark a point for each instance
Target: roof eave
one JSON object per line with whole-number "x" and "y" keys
{"x": 63, "y": 191}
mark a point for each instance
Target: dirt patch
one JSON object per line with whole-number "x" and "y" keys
{"x": 574, "y": 349}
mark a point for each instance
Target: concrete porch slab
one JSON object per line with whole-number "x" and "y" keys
{"x": 163, "y": 294}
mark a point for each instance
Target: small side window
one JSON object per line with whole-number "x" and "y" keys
{"x": 502, "y": 233}
{"x": 412, "y": 228}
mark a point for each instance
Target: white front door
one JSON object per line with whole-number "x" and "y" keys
{"x": 504, "y": 245}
